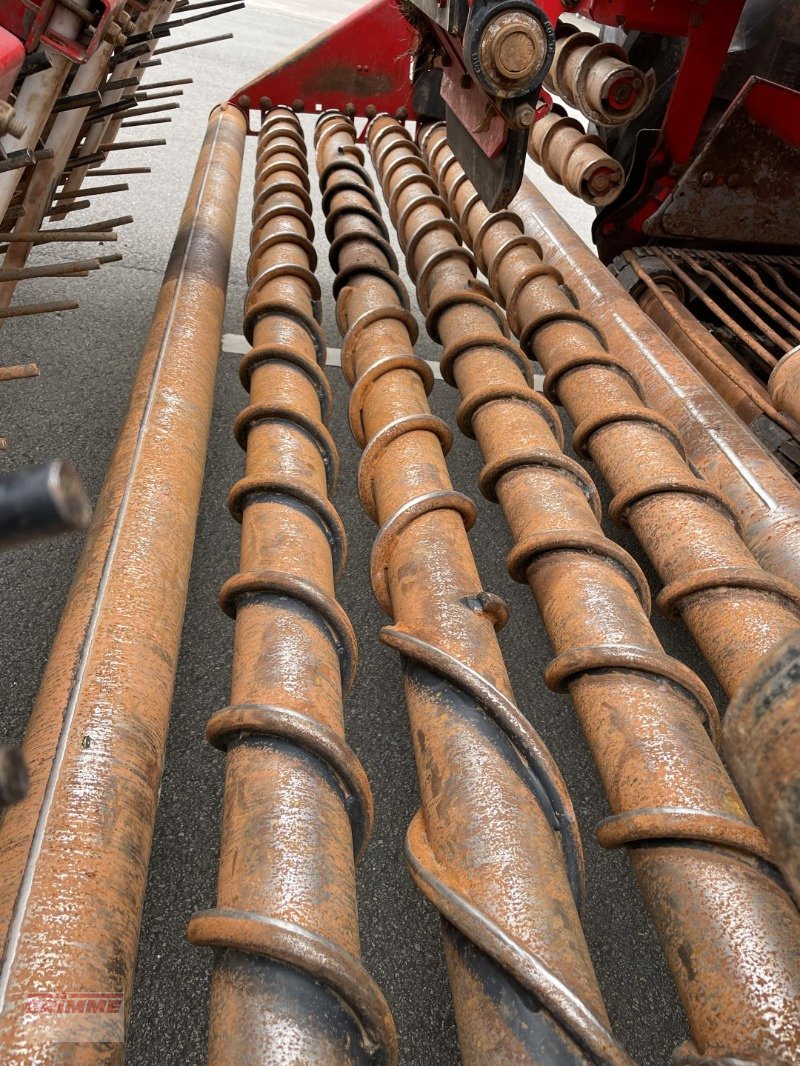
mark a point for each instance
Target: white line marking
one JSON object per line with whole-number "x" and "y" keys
{"x": 235, "y": 344}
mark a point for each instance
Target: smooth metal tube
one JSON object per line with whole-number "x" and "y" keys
{"x": 762, "y": 495}
{"x": 288, "y": 983}
{"x": 648, "y": 720}
{"x": 494, "y": 846}
{"x": 75, "y": 851}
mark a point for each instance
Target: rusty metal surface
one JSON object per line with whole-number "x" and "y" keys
{"x": 75, "y": 851}
{"x": 494, "y": 846}
{"x": 741, "y": 186}
{"x": 762, "y": 743}
{"x": 648, "y": 720}
{"x": 574, "y": 159}
{"x": 597, "y": 78}
{"x": 784, "y": 384}
{"x": 733, "y": 608}
{"x": 287, "y": 977}
{"x": 763, "y": 496}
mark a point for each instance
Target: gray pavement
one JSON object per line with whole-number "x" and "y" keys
{"x": 87, "y": 360}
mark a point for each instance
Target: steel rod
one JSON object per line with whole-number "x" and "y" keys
{"x": 194, "y": 44}
{"x": 21, "y": 370}
{"x": 686, "y": 828}
{"x": 493, "y": 847}
{"x": 95, "y": 743}
{"x": 46, "y": 308}
{"x": 297, "y": 801}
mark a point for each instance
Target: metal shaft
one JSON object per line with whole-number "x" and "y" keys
{"x": 572, "y": 158}
{"x": 762, "y": 494}
{"x": 75, "y": 851}
{"x": 494, "y": 847}
{"x": 597, "y": 78}
{"x": 762, "y": 742}
{"x": 288, "y": 980}
{"x": 695, "y": 852}
{"x": 735, "y": 611}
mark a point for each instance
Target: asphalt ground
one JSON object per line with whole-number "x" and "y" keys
{"x": 87, "y": 360}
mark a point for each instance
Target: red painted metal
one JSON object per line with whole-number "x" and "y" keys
{"x": 777, "y": 107}
{"x": 29, "y": 20}
{"x": 360, "y": 66}
{"x": 12, "y": 53}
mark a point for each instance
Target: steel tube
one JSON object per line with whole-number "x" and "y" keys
{"x": 648, "y": 720}
{"x": 288, "y": 980}
{"x": 494, "y": 846}
{"x": 75, "y": 851}
{"x": 762, "y": 494}
{"x": 762, "y": 742}
{"x": 735, "y": 611}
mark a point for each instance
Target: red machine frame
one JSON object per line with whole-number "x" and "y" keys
{"x": 363, "y": 65}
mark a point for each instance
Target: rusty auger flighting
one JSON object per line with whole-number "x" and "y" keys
{"x": 687, "y": 830}
{"x": 287, "y": 965}
{"x": 508, "y": 888}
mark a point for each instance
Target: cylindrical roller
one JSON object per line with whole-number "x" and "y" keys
{"x": 730, "y": 934}
{"x": 494, "y": 846}
{"x": 572, "y": 158}
{"x": 735, "y": 611}
{"x": 762, "y": 742}
{"x": 75, "y": 851}
{"x": 763, "y": 496}
{"x": 288, "y": 983}
{"x": 597, "y": 78}
{"x": 784, "y": 384}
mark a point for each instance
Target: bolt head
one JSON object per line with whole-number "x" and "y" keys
{"x": 513, "y": 47}
{"x": 525, "y": 115}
